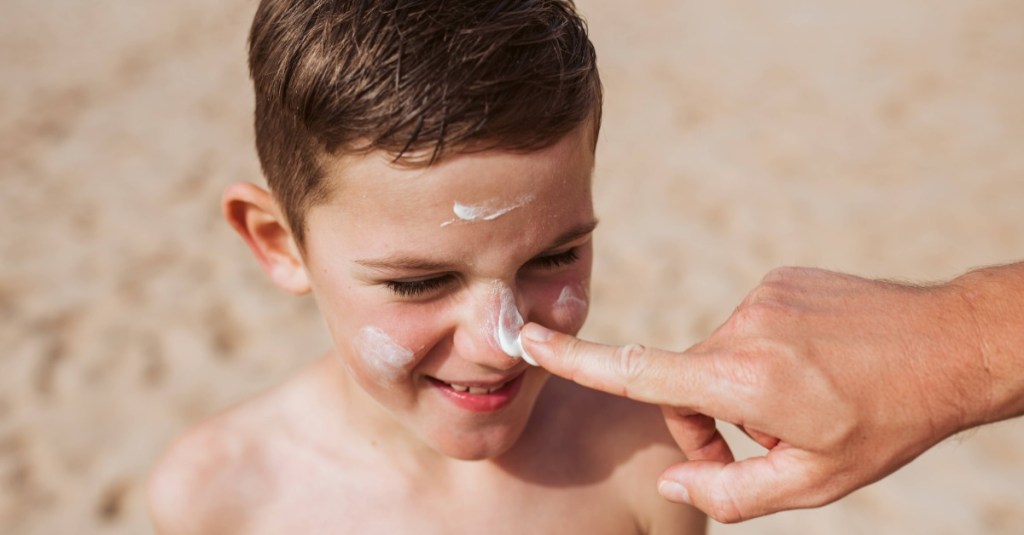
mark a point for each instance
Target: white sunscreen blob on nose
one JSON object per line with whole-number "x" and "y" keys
{"x": 383, "y": 353}
{"x": 510, "y": 326}
{"x": 484, "y": 212}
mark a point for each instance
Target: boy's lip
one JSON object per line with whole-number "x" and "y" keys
{"x": 480, "y": 396}
{"x": 488, "y": 384}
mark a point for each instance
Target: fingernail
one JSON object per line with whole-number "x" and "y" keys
{"x": 522, "y": 351}
{"x": 537, "y": 333}
{"x": 673, "y": 490}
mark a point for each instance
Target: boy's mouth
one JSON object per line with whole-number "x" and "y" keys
{"x": 479, "y": 397}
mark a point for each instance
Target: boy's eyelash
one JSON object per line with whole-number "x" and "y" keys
{"x": 558, "y": 260}
{"x": 417, "y": 287}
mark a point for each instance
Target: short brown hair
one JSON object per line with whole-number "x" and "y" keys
{"x": 418, "y": 79}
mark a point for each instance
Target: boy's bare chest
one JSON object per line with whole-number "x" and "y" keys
{"x": 336, "y": 500}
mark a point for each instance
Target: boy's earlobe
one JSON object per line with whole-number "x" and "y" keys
{"x": 256, "y": 217}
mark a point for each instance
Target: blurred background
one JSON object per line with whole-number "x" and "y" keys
{"x": 878, "y": 138}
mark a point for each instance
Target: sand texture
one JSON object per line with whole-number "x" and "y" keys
{"x": 879, "y": 138}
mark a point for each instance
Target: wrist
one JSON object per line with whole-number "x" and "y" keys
{"x": 994, "y": 299}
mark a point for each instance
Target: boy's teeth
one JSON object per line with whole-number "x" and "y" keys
{"x": 474, "y": 389}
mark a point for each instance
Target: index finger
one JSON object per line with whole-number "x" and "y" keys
{"x": 632, "y": 371}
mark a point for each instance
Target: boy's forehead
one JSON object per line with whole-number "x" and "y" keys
{"x": 466, "y": 177}
{"x": 459, "y": 208}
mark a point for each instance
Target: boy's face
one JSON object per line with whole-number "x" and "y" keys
{"x": 420, "y": 272}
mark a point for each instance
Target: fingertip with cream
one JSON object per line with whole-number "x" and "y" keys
{"x": 522, "y": 351}
{"x": 537, "y": 335}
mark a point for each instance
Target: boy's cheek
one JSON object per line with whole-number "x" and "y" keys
{"x": 413, "y": 327}
{"x": 383, "y": 357}
{"x": 569, "y": 308}
{"x": 571, "y": 297}
{"x": 562, "y": 304}
{"x": 388, "y": 345}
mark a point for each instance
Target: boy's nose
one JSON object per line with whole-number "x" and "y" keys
{"x": 493, "y": 321}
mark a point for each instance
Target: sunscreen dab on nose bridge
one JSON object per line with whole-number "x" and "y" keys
{"x": 508, "y": 328}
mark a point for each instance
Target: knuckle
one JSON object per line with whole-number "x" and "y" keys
{"x": 754, "y": 315}
{"x": 762, "y": 293}
{"x": 769, "y": 303}
{"x": 784, "y": 273}
{"x": 779, "y": 274}
{"x": 790, "y": 274}
{"x": 757, "y": 313}
{"x": 573, "y": 353}
{"x": 631, "y": 362}
{"x": 571, "y": 349}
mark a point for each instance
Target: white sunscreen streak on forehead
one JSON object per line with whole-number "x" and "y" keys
{"x": 381, "y": 352}
{"x": 484, "y": 212}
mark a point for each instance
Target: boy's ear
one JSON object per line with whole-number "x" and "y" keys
{"x": 255, "y": 215}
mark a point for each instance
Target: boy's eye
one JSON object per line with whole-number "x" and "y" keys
{"x": 417, "y": 288}
{"x": 424, "y": 287}
{"x": 557, "y": 260}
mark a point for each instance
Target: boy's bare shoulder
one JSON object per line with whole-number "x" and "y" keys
{"x": 213, "y": 477}
{"x": 200, "y": 485}
{"x": 192, "y": 488}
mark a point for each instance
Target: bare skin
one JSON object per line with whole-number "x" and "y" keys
{"x": 283, "y": 463}
{"x": 419, "y": 421}
{"x": 842, "y": 379}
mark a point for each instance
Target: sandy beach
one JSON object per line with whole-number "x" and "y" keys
{"x": 877, "y": 138}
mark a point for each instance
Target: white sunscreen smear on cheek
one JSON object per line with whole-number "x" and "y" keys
{"x": 570, "y": 309}
{"x": 484, "y": 212}
{"x": 509, "y": 326}
{"x": 570, "y": 299}
{"x": 380, "y": 351}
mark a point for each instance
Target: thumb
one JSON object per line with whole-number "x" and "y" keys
{"x": 736, "y": 491}
{"x": 632, "y": 371}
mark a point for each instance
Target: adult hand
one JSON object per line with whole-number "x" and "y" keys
{"x": 842, "y": 379}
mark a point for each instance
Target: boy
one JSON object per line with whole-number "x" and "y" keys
{"x": 430, "y": 164}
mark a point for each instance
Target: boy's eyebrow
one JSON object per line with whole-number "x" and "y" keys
{"x": 574, "y": 234}
{"x": 411, "y": 263}
{"x": 408, "y": 263}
